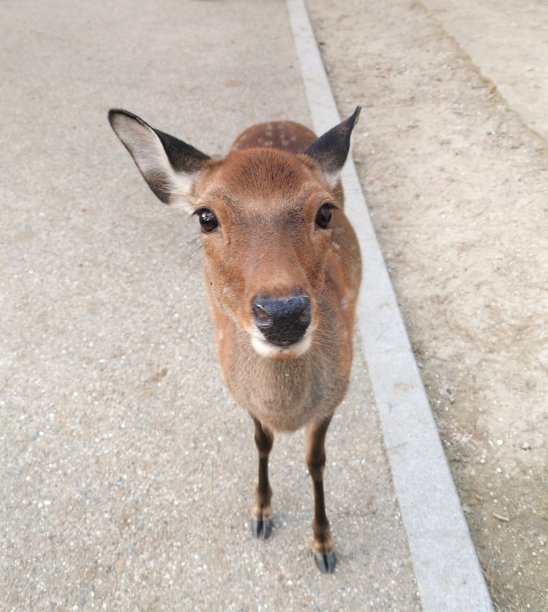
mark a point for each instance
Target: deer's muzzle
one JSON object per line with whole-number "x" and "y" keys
{"x": 282, "y": 321}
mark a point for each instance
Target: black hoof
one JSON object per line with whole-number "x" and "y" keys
{"x": 261, "y": 528}
{"x": 325, "y": 562}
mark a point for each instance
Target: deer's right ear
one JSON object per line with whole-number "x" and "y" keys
{"x": 169, "y": 165}
{"x": 331, "y": 150}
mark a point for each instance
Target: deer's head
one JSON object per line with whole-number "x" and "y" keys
{"x": 268, "y": 220}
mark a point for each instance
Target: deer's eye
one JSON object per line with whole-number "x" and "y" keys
{"x": 324, "y": 214}
{"x": 208, "y": 220}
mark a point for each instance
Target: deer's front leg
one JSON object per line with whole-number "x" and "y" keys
{"x": 261, "y": 521}
{"x": 324, "y": 555}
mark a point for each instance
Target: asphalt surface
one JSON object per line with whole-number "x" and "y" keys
{"x": 127, "y": 472}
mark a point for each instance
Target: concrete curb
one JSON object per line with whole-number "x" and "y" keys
{"x": 446, "y": 566}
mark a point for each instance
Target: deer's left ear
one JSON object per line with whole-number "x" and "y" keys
{"x": 331, "y": 150}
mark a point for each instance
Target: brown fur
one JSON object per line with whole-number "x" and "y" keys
{"x": 285, "y": 135}
{"x": 266, "y": 200}
{"x": 266, "y": 195}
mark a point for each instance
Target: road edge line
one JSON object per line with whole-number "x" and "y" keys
{"x": 445, "y": 562}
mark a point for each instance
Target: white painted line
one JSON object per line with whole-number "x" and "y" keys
{"x": 445, "y": 562}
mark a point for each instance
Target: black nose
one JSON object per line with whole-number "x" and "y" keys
{"x": 283, "y": 321}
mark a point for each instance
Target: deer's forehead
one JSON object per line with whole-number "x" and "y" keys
{"x": 269, "y": 181}
{"x": 260, "y": 171}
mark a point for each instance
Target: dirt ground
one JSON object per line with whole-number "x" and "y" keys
{"x": 457, "y": 184}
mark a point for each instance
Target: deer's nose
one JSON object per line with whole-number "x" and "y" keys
{"x": 282, "y": 321}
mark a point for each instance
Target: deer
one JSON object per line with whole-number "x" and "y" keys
{"x": 282, "y": 270}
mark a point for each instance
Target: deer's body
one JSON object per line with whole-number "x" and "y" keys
{"x": 285, "y": 394}
{"x": 282, "y": 269}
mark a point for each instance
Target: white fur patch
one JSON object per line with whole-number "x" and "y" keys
{"x": 332, "y": 178}
{"x": 268, "y": 350}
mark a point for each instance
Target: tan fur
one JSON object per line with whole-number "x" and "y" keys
{"x": 324, "y": 546}
{"x": 266, "y": 200}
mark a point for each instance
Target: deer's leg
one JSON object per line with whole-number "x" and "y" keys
{"x": 261, "y": 521}
{"x": 324, "y": 555}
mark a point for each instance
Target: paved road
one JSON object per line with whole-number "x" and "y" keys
{"x": 126, "y": 470}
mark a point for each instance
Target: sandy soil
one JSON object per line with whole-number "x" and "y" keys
{"x": 458, "y": 188}
{"x": 508, "y": 41}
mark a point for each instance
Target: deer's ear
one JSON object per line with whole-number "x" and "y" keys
{"x": 169, "y": 165}
{"x": 331, "y": 150}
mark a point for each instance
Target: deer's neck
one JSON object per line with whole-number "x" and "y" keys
{"x": 284, "y": 394}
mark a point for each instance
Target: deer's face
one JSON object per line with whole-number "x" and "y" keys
{"x": 265, "y": 219}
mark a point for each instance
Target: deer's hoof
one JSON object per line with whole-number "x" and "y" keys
{"x": 261, "y": 528}
{"x": 325, "y": 562}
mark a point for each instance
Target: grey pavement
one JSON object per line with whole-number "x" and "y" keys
{"x": 126, "y": 471}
